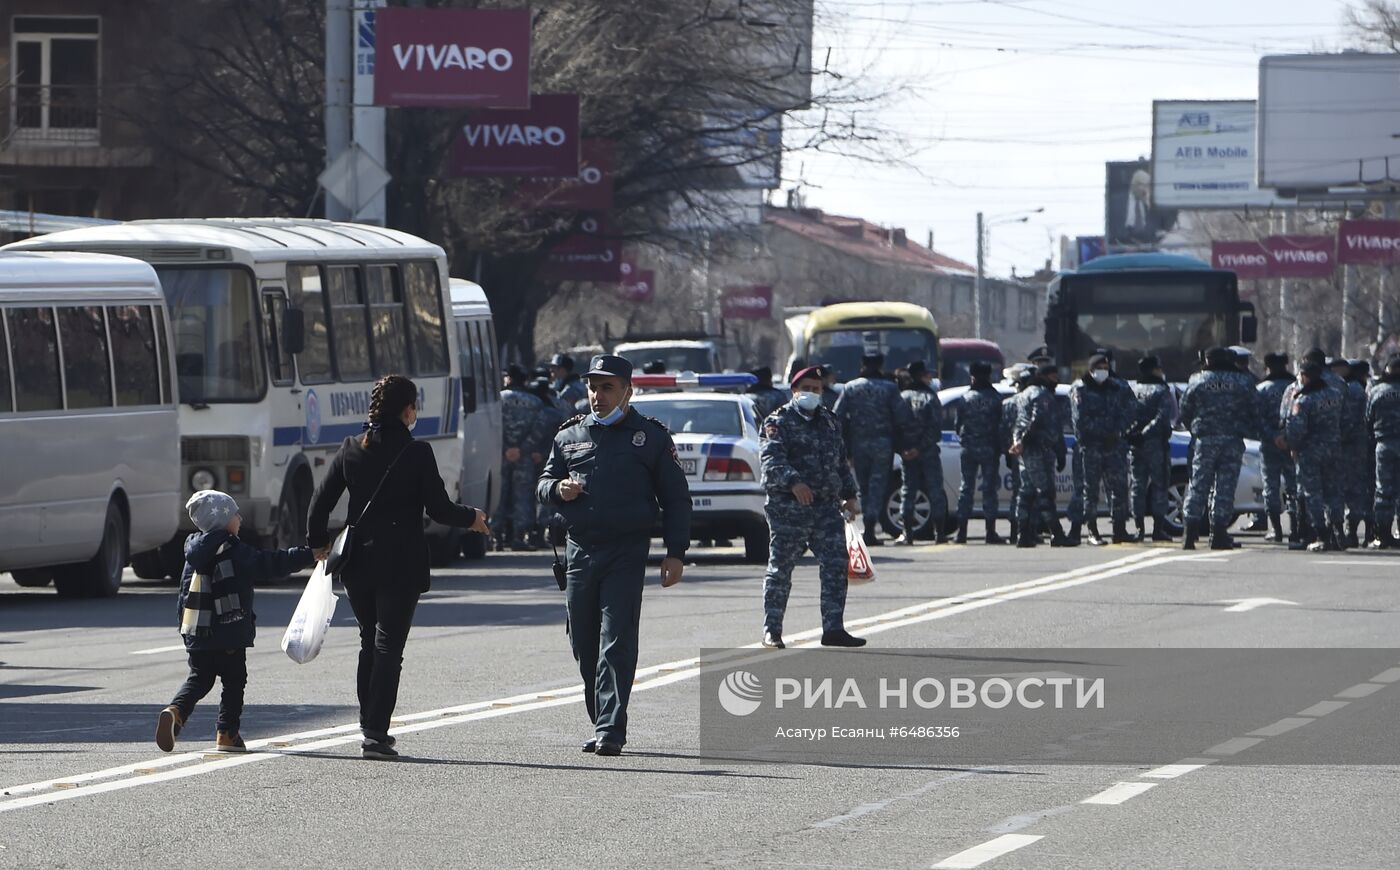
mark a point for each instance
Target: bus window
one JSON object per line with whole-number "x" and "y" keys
{"x": 5, "y": 404}
{"x": 314, "y": 361}
{"x": 279, "y": 361}
{"x": 464, "y": 361}
{"x": 425, "y": 318}
{"x": 165, "y": 395}
{"x": 386, "y": 320}
{"x": 483, "y": 385}
{"x": 134, "y": 357}
{"x": 215, "y": 313}
{"x": 349, "y": 323}
{"x": 493, "y": 372}
{"x": 35, "y": 354}
{"x": 87, "y": 370}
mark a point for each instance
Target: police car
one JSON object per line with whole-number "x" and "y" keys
{"x": 717, "y": 440}
{"x": 1249, "y": 493}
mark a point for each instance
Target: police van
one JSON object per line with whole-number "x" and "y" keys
{"x": 281, "y": 327}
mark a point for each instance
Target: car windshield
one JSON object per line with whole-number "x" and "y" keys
{"x": 676, "y": 359}
{"x": 842, "y": 348}
{"x": 216, "y": 338}
{"x": 694, "y": 416}
{"x": 1174, "y": 338}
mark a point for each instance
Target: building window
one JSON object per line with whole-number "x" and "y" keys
{"x": 1027, "y": 311}
{"x": 996, "y": 305}
{"x": 55, "y": 72}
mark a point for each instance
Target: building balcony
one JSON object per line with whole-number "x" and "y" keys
{"x": 63, "y": 126}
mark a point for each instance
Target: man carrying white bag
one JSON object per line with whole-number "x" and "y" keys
{"x": 312, "y": 618}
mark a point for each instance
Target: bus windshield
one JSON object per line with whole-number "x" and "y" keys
{"x": 676, "y": 358}
{"x": 842, "y": 349}
{"x": 216, "y": 339}
{"x": 1174, "y": 337}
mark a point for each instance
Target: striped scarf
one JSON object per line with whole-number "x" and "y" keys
{"x": 203, "y": 602}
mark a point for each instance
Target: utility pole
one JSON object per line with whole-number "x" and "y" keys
{"x": 1285, "y": 299}
{"x": 977, "y": 286}
{"x": 1384, "y": 288}
{"x": 340, "y": 18}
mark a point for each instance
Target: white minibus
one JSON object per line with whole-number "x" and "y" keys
{"x": 87, "y": 417}
{"x": 481, "y": 395}
{"x": 281, "y": 327}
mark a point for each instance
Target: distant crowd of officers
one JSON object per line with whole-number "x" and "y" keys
{"x": 1329, "y": 447}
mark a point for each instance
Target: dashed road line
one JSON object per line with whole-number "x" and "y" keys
{"x": 1119, "y": 792}
{"x": 1282, "y": 726}
{"x": 1181, "y": 768}
{"x": 979, "y": 855}
{"x": 1322, "y": 708}
{"x": 1235, "y": 745}
{"x": 1360, "y": 690}
{"x": 157, "y": 650}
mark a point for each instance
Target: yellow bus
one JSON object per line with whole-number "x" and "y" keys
{"x": 838, "y": 335}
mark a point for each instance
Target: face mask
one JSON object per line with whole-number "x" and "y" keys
{"x": 807, "y": 402}
{"x": 414, "y": 423}
{"x": 1099, "y": 375}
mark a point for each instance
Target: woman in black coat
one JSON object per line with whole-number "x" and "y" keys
{"x": 388, "y": 566}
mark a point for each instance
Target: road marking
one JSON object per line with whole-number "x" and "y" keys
{"x": 1181, "y": 768}
{"x": 979, "y": 855}
{"x": 159, "y": 649}
{"x": 1282, "y": 726}
{"x": 1390, "y": 676}
{"x": 1238, "y": 744}
{"x": 1243, "y": 605}
{"x": 666, "y": 674}
{"x": 1322, "y": 708}
{"x": 873, "y": 807}
{"x": 1360, "y": 690}
{"x": 1119, "y": 792}
{"x": 1012, "y": 824}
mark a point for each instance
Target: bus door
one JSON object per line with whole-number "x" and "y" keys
{"x": 282, "y": 338}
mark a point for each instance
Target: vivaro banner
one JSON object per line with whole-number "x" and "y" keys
{"x": 443, "y": 58}
{"x": 541, "y": 141}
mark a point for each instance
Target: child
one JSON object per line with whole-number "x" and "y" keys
{"x": 216, "y": 614}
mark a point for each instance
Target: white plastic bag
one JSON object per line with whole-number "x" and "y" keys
{"x": 859, "y": 568}
{"x": 307, "y": 630}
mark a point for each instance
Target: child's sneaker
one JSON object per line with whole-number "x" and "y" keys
{"x": 168, "y": 726}
{"x": 226, "y": 742}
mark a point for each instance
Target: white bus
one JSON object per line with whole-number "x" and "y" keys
{"x": 481, "y": 431}
{"x": 87, "y": 417}
{"x": 281, "y": 327}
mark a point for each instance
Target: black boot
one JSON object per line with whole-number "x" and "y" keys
{"x": 1275, "y": 533}
{"x": 1220, "y": 537}
{"x": 1058, "y": 537}
{"x": 1352, "y": 524}
{"x": 870, "y": 538}
{"x": 1074, "y": 539}
{"x": 1382, "y": 539}
{"x": 1120, "y": 531}
{"x": 992, "y": 537}
{"x": 1027, "y": 537}
{"x": 1192, "y": 534}
{"x": 1092, "y": 535}
{"x": 1140, "y": 524}
{"x": 1161, "y": 529}
{"x": 1295, "y": 527}
{"x": 962, "y": 533}
{"x": 1339, "y": 536}
{"x": 1015, "y": 530}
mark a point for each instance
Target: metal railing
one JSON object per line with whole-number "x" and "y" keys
{"x": 54, "y": 113}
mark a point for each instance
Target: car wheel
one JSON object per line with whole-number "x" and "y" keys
{"x": 33, "y": 578}
{"x": 443, "y": 550}
{"x": 475, "y": 545}
{"x": 1176, "y": 498}
{"x": 756, "y": 546}
{"x": 100, "y": 576}
{"x": 892, "y": 520}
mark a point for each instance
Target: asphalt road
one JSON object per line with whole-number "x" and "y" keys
{"x": 490, "y": 723}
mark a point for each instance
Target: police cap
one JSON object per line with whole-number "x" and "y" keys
{"x": 610, "y": 365}
{"x": 1149, "y": 364}
{"x": 563, "y": 361}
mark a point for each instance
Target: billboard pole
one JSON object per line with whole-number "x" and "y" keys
{"x": 977, "y": 286}
{"x": 339, "y": 23}
{"x": 1384, "y": 289}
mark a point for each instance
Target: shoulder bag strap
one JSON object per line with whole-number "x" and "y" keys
{"x": 364, "y": 510}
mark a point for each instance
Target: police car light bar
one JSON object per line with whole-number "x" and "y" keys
{"x": 690, "y": 379}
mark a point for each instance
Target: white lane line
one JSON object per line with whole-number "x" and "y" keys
{"x": 1181, "y": 768}
{"x": 1322, "y": 708}
{"x": 873, "y": 807}
{"x": 1282, "y": 726}
{"x": 1238, "y": 744}
{"x": 1389, "y": 676}
{"x": 667, "y": 674}
{"x": 159, "y": 649}
{"x": 1360, "y": 690}
{"x": 979, "y": 855}
{"x": 1119, "y": 792}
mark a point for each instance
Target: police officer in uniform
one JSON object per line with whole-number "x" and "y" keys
{"x": 872, "y": 417}
{"x": 1150, "y": 448}
{"x": 552, "y": 416}
{"x": 1352, "y": 452}
{"x": 1038, "y": 443}
{"x": 567, "y": 385}
{"x": 1220, "y": 410}
{"x": 520, "y": 420}
{"x": 1018, "y": 376}
{"x": 1280, "y": 481}
{"x": 809, "y": 484}
{"x": 1098, "y": 409}
{"x": 1310, "y": 434}
{"x": 979, "y": 424}
{"x": 766, "y": 397}
{"x": 1383, "y": 420}
{"x": 613, "y": 474}
{"x": 923, "y": 462}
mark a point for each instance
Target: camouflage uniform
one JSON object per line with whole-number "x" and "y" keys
{"x": 1009, "y": 409}
{"x": 1100, "y": 414}
{"x": 520, "y": 422}
{"x": 925, "y": 472}
{"x": 1277, "y": 466}
{"x": 1151, "y": 448}
{"x": 1040, "y": 433}
{"x": 979, "y": 425}
{"x": 552, "y": 416}
{"x": 795, "y": 450}
{"x": 1383, "y": 419}
{"x": 872, "y": 415}
{"x": 1219, "y": 409}
{"x": 1312, "y": 432}
{"x": 570, "y": 391}
{"x": 766, "y": 400}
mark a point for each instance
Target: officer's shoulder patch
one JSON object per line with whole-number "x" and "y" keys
{"x": 577, "y": 418}
{"x": 661, "y": 425}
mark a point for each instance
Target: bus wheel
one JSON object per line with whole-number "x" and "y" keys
{"x": 474, "y": 545}
{"x": 291, "y": 517}
{"x": 100, "y": 576}
{"x": 32, "y": 578}
{"x": 444, "y": 549}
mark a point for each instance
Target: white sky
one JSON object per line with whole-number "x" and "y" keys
{"x": 1017, "y": 104}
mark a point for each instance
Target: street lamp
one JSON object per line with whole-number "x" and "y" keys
{"x": 982, "y": 226}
